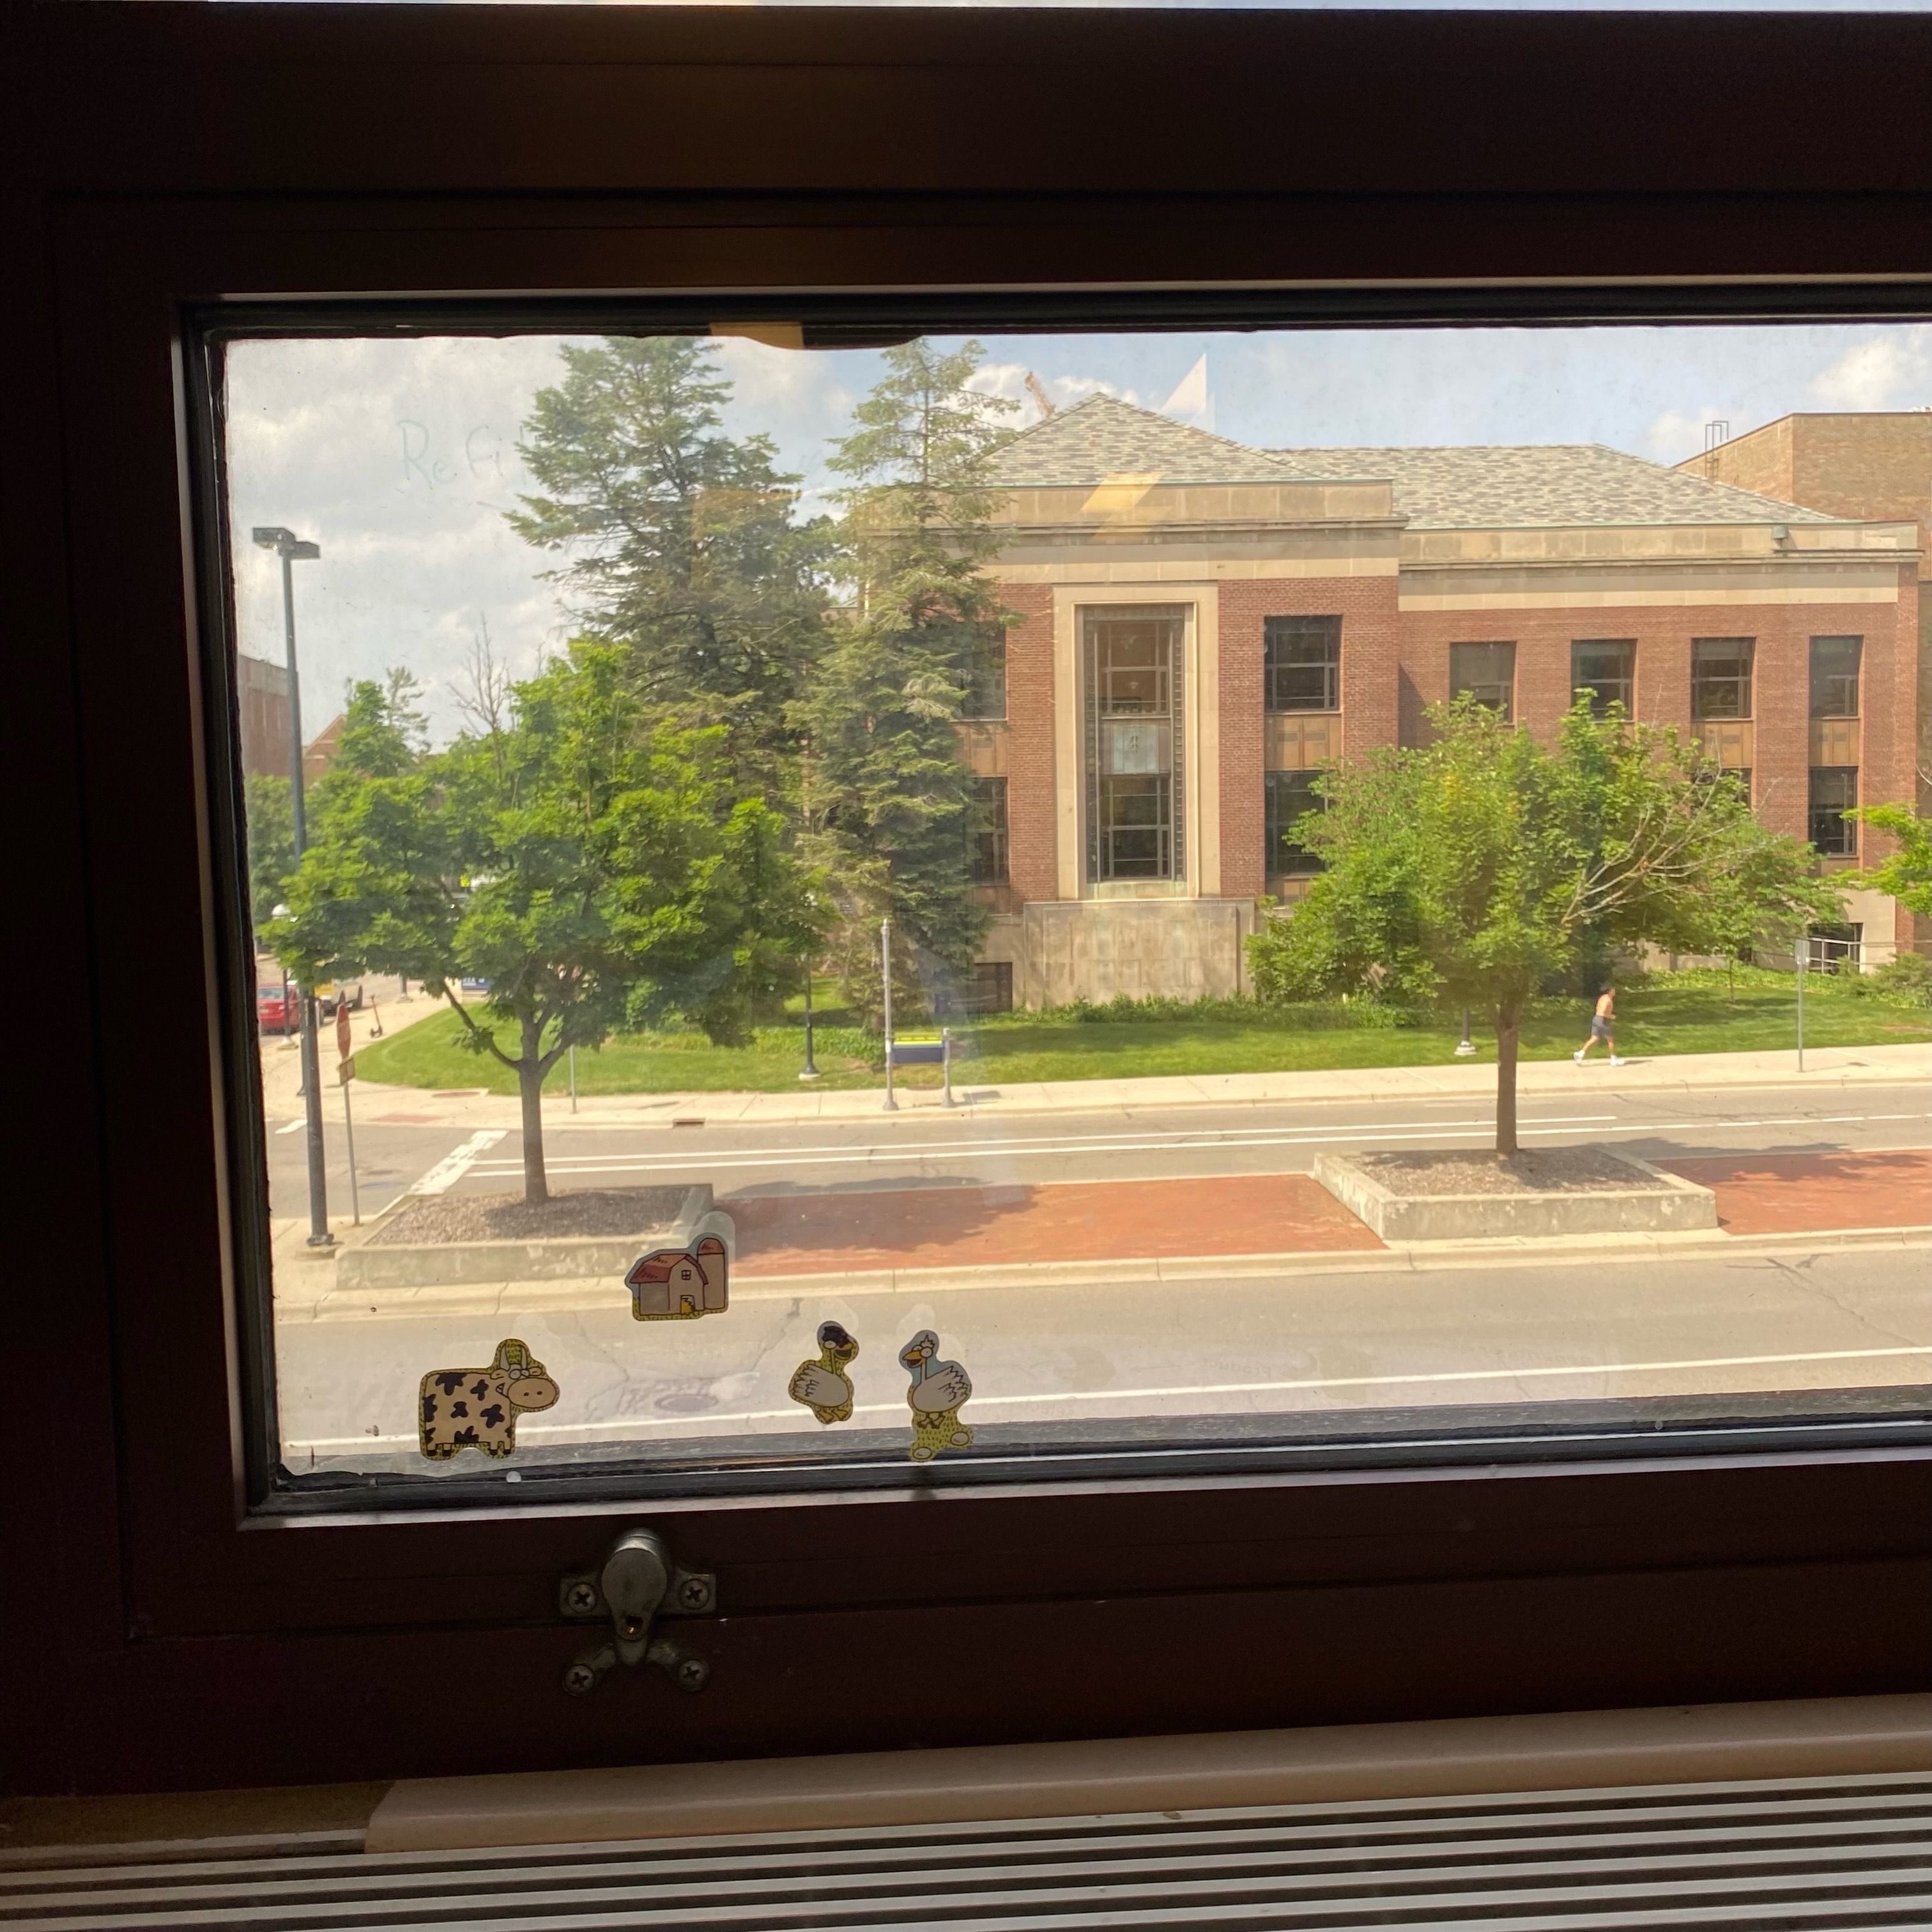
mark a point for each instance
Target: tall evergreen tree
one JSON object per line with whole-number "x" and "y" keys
{"x": 887, "y": 795}
{"x": 683, "y": 542}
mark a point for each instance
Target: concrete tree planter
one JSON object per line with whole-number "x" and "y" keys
{"x": 375, "y": 1263}
{"x": 1545, "y": 1193}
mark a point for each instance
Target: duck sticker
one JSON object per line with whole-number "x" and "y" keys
{"x": 680, "y": 1284}
{"x": 477, "y": 1409}
{"x": 823, "y": 1386}
{"x": 939, "y": 1391}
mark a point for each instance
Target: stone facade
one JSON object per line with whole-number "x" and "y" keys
{"x": 1113, "y": 512}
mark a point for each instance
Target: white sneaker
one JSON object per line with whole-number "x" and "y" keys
{"x": 1578, "y": 1056}
{"x": 1615, "y": 1061}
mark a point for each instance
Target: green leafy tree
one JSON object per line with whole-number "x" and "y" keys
{"x": 591, "y": 866}
{"x": 1906, "y": 873}
{"x": 1479, "y": 867}
{"x": 887, "y": 796}
{"x": 269, "y": 800}
{"x": 682, "y": 541}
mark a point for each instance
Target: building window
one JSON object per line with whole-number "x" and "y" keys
{"x": 989, "y": 831}
{"x": 1302, "y": 671}
{"x": 1835, "y": 949}
{"x": 1835, "y": 791}
{"x": 1720, "y": 676}
{"x": 1485, "y": 673}
{"x": 986, "y": 680}
{"x": 1133, "y": 751}
{"x": 1291, "y": 796}
{"x": 1607, "y": 668}
{"x": 1835, "y": 676}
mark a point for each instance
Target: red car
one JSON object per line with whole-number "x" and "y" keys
{"x": 278, "y": 1008}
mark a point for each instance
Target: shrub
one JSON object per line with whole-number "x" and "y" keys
{"x": 1909, "y": 977}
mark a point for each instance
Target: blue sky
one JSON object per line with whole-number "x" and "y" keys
{"x": 399, "y": 457}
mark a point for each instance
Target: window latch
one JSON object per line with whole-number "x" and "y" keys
{"x": 637, "y": 1581}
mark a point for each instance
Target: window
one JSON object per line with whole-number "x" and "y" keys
{"x": 989, "y": 831}
{"x": 988, "y": 989}
{"x": 1806, "y": 1557}
{"x": 1303, "y": 667}
{"x": 1720, "y": 676}
{"x": 1835, "y": 676}
{"x": 1291, "y": 796}
{"x": 1835, "y": 949}
{"x": 1835, "y": 791}
{"x": 1607, "y": 668}
{"x": 1134, "y": 718}
{"x": 986, "y": 690}
{"x": 1485, "y": 673}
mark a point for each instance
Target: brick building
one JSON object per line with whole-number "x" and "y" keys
{"x": 1202, "y": 625}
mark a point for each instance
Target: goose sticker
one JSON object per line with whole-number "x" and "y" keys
{"x": 824, "y": 1387}
{"x": 680, "y": 1284}
{"x": 477, "y": 1409}
{"x": 939, "y": 1391}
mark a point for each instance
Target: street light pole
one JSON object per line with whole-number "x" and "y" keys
{"x": 810, "y": 1070}
{"x": 291, "y": 548}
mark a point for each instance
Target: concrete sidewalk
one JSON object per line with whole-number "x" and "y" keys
{"x": 1825, "y": 1067}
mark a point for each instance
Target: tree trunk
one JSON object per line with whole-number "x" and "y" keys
{"x": 529, "y": 1088}
{"x": 1509, "y": 1023}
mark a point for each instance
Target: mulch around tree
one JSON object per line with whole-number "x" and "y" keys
{"x": 439, "y": 1219}
{"x": 1539, "y": 1171}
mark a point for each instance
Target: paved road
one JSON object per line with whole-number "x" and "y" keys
{"x": 1800, "y": 1317}
{"x": 930, "y": 1150}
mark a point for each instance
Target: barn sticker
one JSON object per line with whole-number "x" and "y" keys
{"x": 825, "y": 1386}
{"x": 477, "y": 1409}
{"x": 680, "y": 1284}
{"x": 938, "y": 1392}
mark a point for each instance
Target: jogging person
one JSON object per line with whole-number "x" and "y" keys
{"x": 1602, "y": 1026}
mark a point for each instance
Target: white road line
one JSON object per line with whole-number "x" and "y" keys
{"x": 1207, "y": 1135}
{"x": 455, "y": 1164}
{"x": 595, "y": 1431}
{"x": 1231, "y": 1137}
{"x": 293, "y": 1127}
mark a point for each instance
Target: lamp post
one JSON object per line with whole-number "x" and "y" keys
{"x": 1465, "y": 1045}
{"x": 292, "y": 549}
{"x": 810, "y": 1069}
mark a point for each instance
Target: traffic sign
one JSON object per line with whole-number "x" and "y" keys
{"x": 345, "y": 1070}
{"x": 343, "y": 1043}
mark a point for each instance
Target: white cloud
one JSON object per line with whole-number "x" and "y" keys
{"x": 1887, "y": 371}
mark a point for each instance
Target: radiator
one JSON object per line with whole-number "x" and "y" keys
{"x": 1841, "y": 1852}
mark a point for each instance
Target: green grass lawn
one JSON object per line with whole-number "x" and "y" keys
{"x": 1664, "y": 1014}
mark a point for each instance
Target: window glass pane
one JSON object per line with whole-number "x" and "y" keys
{"x": 1835, "y": 791}
{"x": 650, "y": 746}
{"x": 1291, "y": 796}
{"x": 1606, "y": 669}
{"x": 1303, "y": 668}
{"x": 1485, "y": 673}
{"x": 1835, "y": 676}
{"x": 1720, "y": 676}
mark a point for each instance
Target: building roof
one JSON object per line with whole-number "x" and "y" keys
{"x": 1476, "y": 487}
{"x": 1103, "y": 437}
{"x": 1510, "y": 484}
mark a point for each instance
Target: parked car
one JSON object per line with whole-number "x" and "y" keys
{"x": 277, "y": 1007}
{"x": 331, "y": 993}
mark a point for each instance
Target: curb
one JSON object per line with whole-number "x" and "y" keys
{"x": 539, "y": 1297}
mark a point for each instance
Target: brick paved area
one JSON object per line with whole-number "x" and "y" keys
{"x": 1106, "y": 1220}
{"x": 1793, "y": 1193}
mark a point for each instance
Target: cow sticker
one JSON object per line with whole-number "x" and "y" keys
{"x": 477, "y": 1409}
{"x": 680, "y": 1284}
{"x": 938, "y": 1391}
{"x": 824, "y": 1386}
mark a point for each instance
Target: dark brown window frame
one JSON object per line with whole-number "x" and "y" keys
{"x": 159, "y": 1616}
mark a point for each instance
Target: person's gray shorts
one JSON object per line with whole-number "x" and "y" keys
{"x": 1600, "y": 1027}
